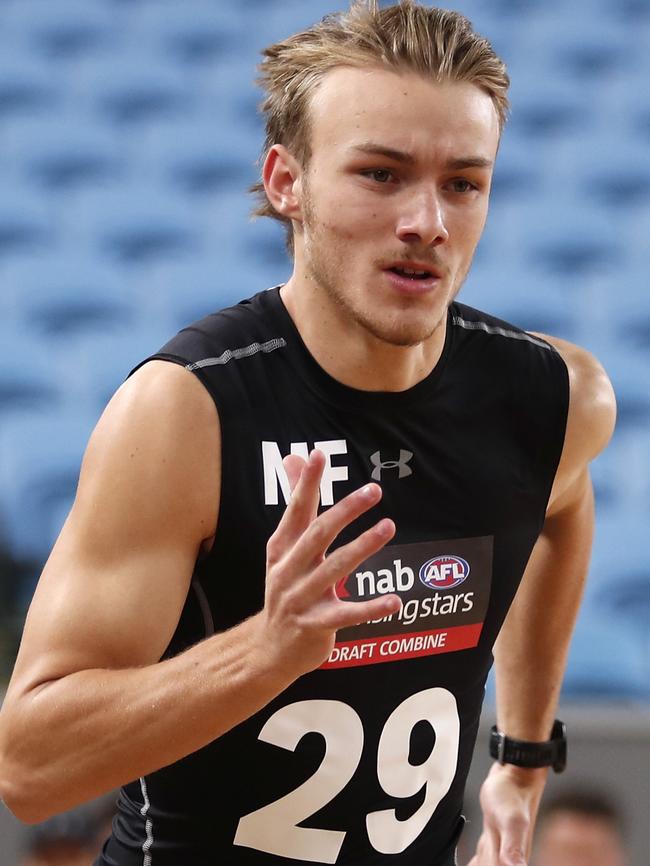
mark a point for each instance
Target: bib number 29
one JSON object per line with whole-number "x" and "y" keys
{"x": 274, "y": 828}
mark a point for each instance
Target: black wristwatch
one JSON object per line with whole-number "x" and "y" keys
{"x": 522, "y": 753}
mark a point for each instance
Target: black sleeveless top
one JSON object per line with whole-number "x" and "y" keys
{"x": 364, "y": 760}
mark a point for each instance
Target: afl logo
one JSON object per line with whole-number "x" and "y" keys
{"x": 444, "y": 572}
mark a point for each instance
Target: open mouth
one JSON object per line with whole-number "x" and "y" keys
{"x": 411, "y": 274}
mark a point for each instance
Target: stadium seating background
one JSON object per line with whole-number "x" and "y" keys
{"x": 128, "y": 136}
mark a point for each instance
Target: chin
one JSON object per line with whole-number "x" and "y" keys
{"x": 400, "y": 333}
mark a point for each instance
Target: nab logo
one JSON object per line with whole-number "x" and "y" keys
{"x": 444, "y": 572}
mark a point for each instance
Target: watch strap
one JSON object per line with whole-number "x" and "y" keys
{"x": 523, "y": 753}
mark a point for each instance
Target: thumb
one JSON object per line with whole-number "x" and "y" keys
{"x": 512, "y": 857}
{"x": 514, "y": 841}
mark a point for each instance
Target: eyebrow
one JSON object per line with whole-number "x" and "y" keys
{"x": 408, "y": 159}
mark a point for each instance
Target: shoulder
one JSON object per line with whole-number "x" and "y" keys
{"x": 155, "y": 451}
{"x": 163, "y": 392}
{"x": 227, "y": 332}
{"x": 592, "y": 403}
{"x": 528, "y": 367}
{"x": 510, "y": 337}
{"x": 590, "y": 424}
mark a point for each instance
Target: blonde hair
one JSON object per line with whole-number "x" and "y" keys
{"x": 436, "y": 43}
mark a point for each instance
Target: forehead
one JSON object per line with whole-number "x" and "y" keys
{"x": 404, "y": 111}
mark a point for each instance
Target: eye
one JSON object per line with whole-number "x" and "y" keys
{"x": 381, "y": 175}
{"x": 461, "y": 185}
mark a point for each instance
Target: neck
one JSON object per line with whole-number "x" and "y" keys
{"x": 348, "y": 351}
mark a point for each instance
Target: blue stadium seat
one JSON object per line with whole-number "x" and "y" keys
{"x": 608, "y": 660}
{"x": 629, "y": 599}
{"x": 237, "y": 239}
{"x": 26, "y": 15}
{"x": 63, "y": 154}
{"x": 27, "y": 221}
{"x": 138, "y": 223}
{"x": 638, "y": 251}
{"x": 605, "y": 661}
{"x": 133, "y": 92}
{"x": 585, "y": 164}
{"x": 516, "y": 175}
{"x": 193, "y": 289}
{"x": 595, "y": 51}
{"x": 28, "y": 375}
{"x": 525, "y": 296}
{"x": 621, "y": 476}
{"x": 205, "y": 157}
{"x": 639, "y": 122}
{"x": 59, "y": 295}
{"x": 633, "y": 13}
{"x": 190, "y": 40}
{"x": 40, "y": 458}
{"x": 620, "y": 541}
{"x": 27, "y": 86}
{"x": 129, "y": 134}
{"x": 68, "y": 29}
{"x": 280, "y": 19}
{"x": 571, "y": 240}
{"x": 635, "y": 331}
{"x": 544, "y": 111}
{"x": 234, "y": 95}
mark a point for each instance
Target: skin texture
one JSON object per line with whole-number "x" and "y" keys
{"x": 354, "y": 213}
{"x": 90, "y": 706}
{"x": 574, "y": 839}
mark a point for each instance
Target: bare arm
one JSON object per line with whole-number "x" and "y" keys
{"x": 90, "y": 706}
{"x": 533, "y": 644}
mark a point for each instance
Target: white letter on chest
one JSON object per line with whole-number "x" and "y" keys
{"x": 275, "y": 475}
{"x": 331, "y": 473}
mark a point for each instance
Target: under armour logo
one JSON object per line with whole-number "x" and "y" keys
{"x": 401, "y": 464}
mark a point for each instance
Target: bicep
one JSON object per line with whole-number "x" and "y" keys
{"x": 113, "y": 588}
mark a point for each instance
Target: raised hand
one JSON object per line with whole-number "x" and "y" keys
{"x": 302, "y": 612}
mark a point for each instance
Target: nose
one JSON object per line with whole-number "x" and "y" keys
{"x": 422, "y": 220}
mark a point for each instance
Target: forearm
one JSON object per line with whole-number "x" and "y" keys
{"x": 532, "y": 647}
{"x": 530, "y": 658}
{"x": 91, "y": 731}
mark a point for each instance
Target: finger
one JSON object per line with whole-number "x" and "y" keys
{"x": 322, "y": 532}
{"x": 293, "y": 465}
{"x": 487, "y": 850}
{"x": 303, "y": 504}
{"x": 349, "y": 557}
{"x": 510, "y": 856}
{"x": 348, "y": 613}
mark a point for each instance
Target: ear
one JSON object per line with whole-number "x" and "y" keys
{"x": 282, "y": 181}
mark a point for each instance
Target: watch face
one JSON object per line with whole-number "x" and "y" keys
{"x": 560, "y": 746}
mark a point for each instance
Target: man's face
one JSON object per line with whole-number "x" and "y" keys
{"x": 398, "y": 179}
{"x": 570, "y": 839}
